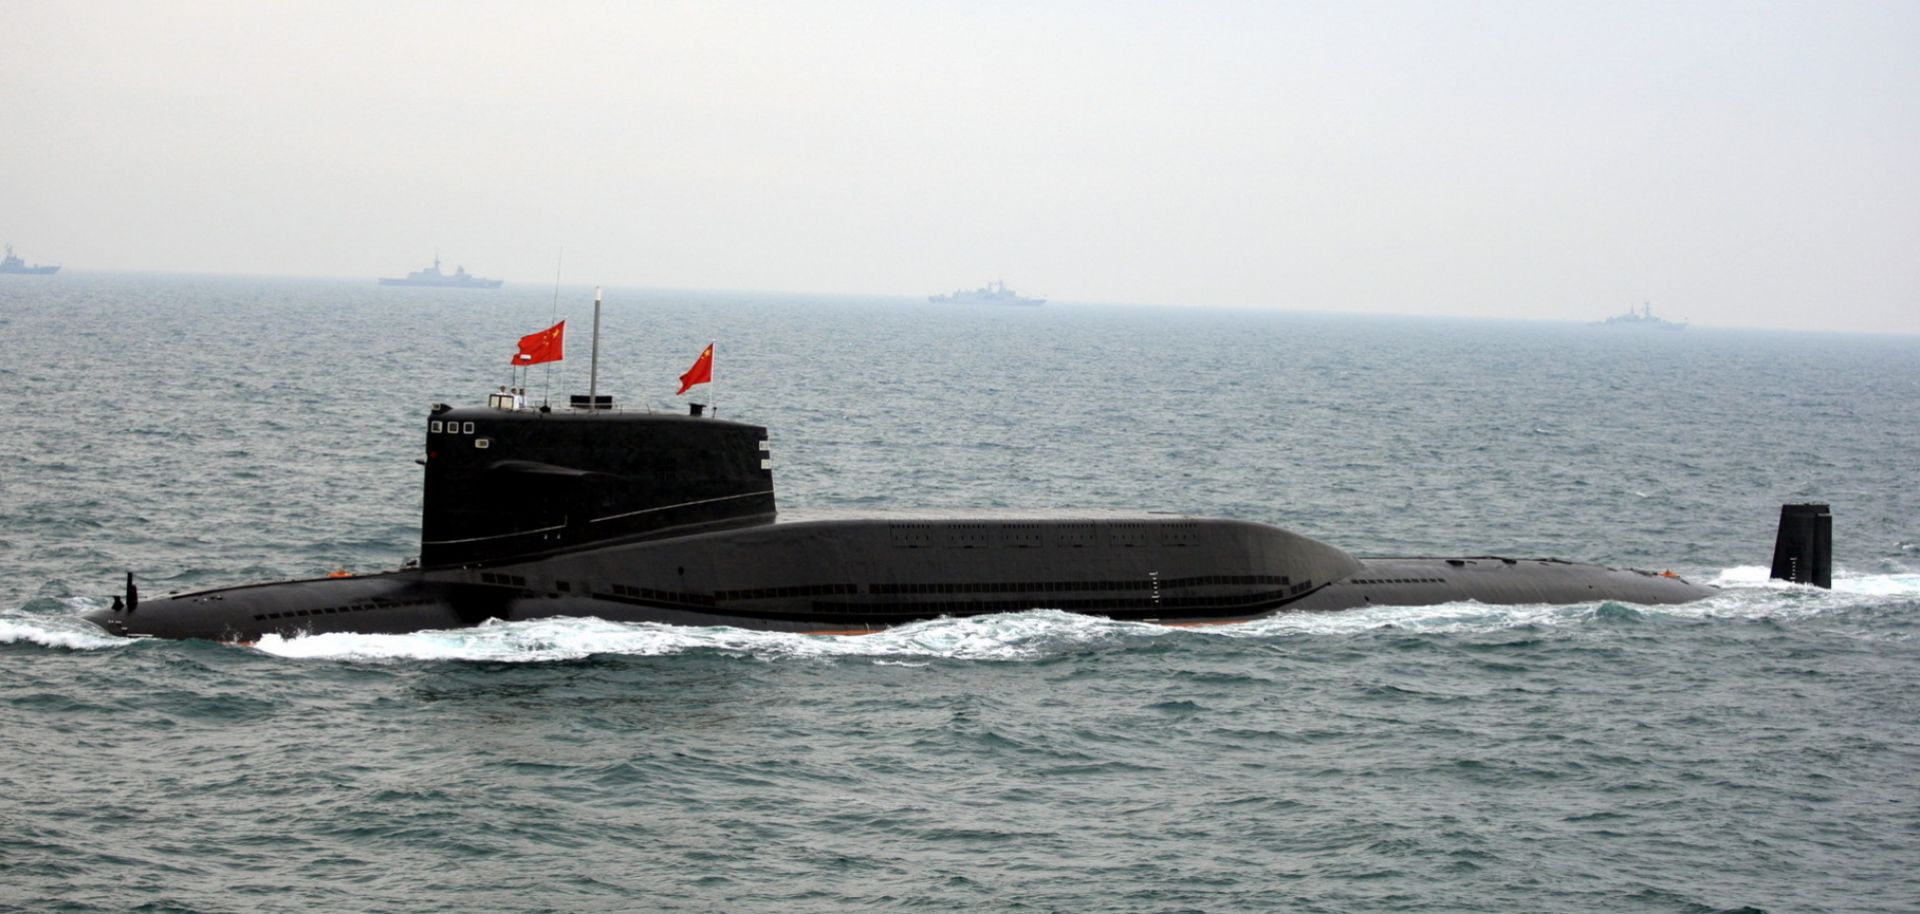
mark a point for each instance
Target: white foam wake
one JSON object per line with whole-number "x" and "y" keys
{"x": 1043, "y": 633}
{"x": 1879, "y": 585}
{"x": 1747, "y": 593}
{"x": 64, "y": 632}
{"x": 1906, "y": 584}
{"x": 1007, "y": 636}
{"x": 1444, "y": 618}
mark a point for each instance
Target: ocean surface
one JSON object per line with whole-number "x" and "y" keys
{"x": 1757, "y": 751}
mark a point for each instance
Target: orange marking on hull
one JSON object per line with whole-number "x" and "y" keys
{"x": 1200, "y": 622}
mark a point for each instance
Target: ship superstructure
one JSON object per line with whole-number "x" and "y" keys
{"x": 12, "y": 263}
{"x": 993, "y": 293}
{"x": 431, "y": 276}
{"x": 1642, "y": 318}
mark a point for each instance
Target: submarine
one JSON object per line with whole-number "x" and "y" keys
{"x": 533, "y": 512}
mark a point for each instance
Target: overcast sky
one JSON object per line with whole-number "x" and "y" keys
{"x": 1745, "y": 163}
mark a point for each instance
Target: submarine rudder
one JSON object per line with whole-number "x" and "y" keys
{"x": 1803, "y": 547}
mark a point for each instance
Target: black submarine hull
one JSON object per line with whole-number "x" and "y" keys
{"x": 857, "y": 575}
{"x": 631, "y": 516}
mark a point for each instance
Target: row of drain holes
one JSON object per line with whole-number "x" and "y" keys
{"x": 336, "y": 610}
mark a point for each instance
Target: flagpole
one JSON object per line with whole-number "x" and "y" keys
{"x": 563, "y": 375}
{"x": 713, "y": 386}
{"x": 559, "y": 257}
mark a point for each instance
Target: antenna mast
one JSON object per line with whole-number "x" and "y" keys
{"x": 593, "y": 371}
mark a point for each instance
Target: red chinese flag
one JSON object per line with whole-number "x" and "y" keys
{"x": 700, "y": 373}
{"x": 548, "y": 345}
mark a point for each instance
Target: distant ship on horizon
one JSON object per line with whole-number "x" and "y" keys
{"x": 993, "y": 293}
{"x": 431, "y": 276}
{"x": 1642, "y": 319}
{"x": 13, "y": 264}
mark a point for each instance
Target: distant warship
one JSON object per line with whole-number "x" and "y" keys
{"x": 533, "y": 512}
{"x": 431, "y": 276}
{"x": 993, "y": 293}
{"x": 1642, "y": 319}
{"x": 13, "y": 264}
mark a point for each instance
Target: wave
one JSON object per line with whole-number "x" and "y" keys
{"x": 1024, "y": 636}
{"x": 66, "y": 633}
{"x": 1043, "y": 633}
{"x": 1902, "y": 584}
{"x": 1006, "y": 636}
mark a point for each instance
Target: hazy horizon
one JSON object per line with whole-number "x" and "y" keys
{"x": 1737, "y": 164}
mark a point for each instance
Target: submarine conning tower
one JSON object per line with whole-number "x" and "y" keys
{"x": 507, "y": 481}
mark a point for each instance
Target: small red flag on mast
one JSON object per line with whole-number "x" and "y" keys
{"x": 700, "y": 373}
{"x": 548, "y": 345}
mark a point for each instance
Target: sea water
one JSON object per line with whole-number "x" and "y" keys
{"x": 1751, "y": 752}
